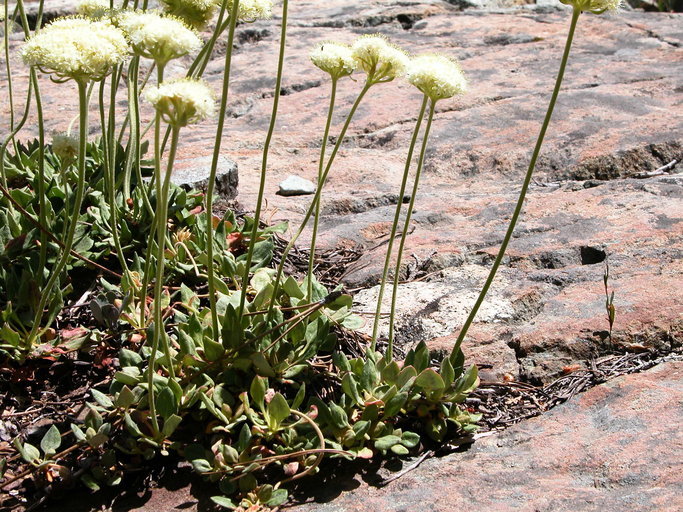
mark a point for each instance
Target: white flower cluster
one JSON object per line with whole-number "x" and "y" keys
{"x": 65, "y": 146}
{"x": 436, "y": 76}
{"x": 93, "y": 8}
{"x": 334, "y": 58}
{"x": 183, "y": 101}
{"x": 252, "y": 10}
{"x": 379, "y": 59}
{"x": 158, "y": 37}
{"x": 76, "y": 48}
{"x": 196, "y": 13}
{"x": 594, "y": 6}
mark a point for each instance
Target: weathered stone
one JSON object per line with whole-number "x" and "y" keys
{"x": 616, "y": 447}
{"x": 296, "y": 186}
{"x": 194, "y": 173}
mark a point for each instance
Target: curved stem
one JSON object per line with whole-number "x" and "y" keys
{"x": 264, "y": 163}
{"x": 68, "y": 242}
{"x": 404, "y": 234}
{"x": 525, "y": 185}
{"x": 316, "y": 216}
{"x": 160, "y": 337}
{"x": 42, "y": 196}
{"x": 212, "y": 174}
{"x": 394, "y": 226}
{"x": 316, "y": 197}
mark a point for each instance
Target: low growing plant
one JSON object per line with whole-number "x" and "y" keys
{"x": 227, "y": 363}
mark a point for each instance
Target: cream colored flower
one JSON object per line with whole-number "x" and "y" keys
{"x": 183, "y": 101}
{"x": 65, "y": 146}
{"x": 93, "y": 8}
{"x": 381, "y": 60}
{"x": 594, "y": 6}
{"x": 334, "y": 58}
{"x": 77, "y": 48}
{"x": 158, "y": 37}
{"x": 252, "y": 10}
{"x": 436, "y": 76}
{"x": 196, "y": 13}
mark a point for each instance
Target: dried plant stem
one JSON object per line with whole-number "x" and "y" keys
{"x": 527, "y": 180}
{"x": 406, "y": 225}
{"x": 264, "y": 162}
{"x": 316, "y": 215}
{"x": 212, "y": 174}
{"x": 394, "y": 226}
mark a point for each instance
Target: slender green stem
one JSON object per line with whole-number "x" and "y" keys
{"x": 12, "y": 134}
{"x": 264, "y": 163}
{"x": 394, "y": 226}
{"x": 527, "y": 180}
{"x": 406, "y": 226}
{"x": 111, "y": 169}
{"x": 160, "y": 337}
{"x": 212, "y": 174}
{"x": 157, "y": 172}
{"x": 10, "y": 82}
{"x": 316, "y": 197}
{"x": 42, "y": 196}
{"x": 68, "y": 242}
{"x": 321, "y": 163}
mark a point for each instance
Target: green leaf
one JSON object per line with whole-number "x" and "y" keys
{"x": 469, "y": 380}
{"x": 406, "y": 377}
{"x": 430, "y": 380}
{"x": 351, "y": 388}
{"x": 224, "y": 502}
{"x": 291, "y": 288}
{"x": 338, "y": 416}
{"x": 262, "y": 365}
{"x": 386, "y": 442}
{"x": 125, "y": 398}
{"x": 212, "y": 350}
{"x": 102, "y": 399}
{"x": 201, "y": 465}
{"x": 170, "y": 424}
{"x": 51, "y": 441}
{"x": 28, "y": 452}
{"x": 257, "y": 390}
{"x": 90, "y": 482}
{"x": 131, "y": 426}
{"x": 166, "y": 403}
{"x": 395, "y": 404}
{"x": 410, "y": 439}
{"x": 278, "y": 497}
{"x": 129, "y": 358}
{"x": 447, "y": 372}
{"x": 399, "y": 449}
{"x": 278, "y": 410}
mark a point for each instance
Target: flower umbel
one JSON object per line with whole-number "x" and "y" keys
{"x": 594, "y": 6}
{"x": 76, "y": 48}
{"x": 183, "y": 101}
{"x": 252, "y": 10}
{"x": 196, "y": 13}
{"x": 158, "y": 37}
{"x": 93, "y": 8}
{"x": 65, "y": 147}
{"x": 381, "y": 60}
{"x": 334, "y": 58}
{"x": 436, "y": 76}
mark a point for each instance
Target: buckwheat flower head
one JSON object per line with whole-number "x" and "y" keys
{"x": 381, "y": 60}
{"x": 196, "y": 13}
{"x": 158, "y": 37}
{"x": 252, "y": 10}
{"x": 334, "y": 58}
{"x": 76, "y": 48}
{"x": 93, "y": 8}
{"x": 65, "y": 146}
{"x": 436, "y": 76}
{"x": 594, "y": 6}
{"x": 183, "y": 101}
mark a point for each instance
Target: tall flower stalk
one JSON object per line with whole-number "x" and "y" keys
{"x": 578, "y": 6}
{"x": 84, "y": 51}
{"x": 438, "y": 78}
{"x": 178, "y": 103}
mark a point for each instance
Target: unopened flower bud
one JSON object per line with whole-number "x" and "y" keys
{"x": 65, "y": 147}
